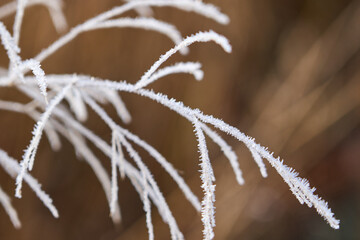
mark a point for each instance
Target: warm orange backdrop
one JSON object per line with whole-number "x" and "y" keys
{"x": 292, "y": 82}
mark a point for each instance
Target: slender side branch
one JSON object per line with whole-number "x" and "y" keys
{"x": 29, "y": 155}
{"x": 207, "y": 178}
{"x": 10, "y": 210}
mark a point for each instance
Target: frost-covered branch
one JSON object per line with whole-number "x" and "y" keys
{"x": 198, "y": 37}
{"x": 13, "y": 168}
{"x": 10, "y": 210}
{"x": 198, "y": 7}
{"x": 71, "y": 96}
{"x": 193, "y": 68}
{"x": 287, "y": 173}
{"x": 208, "y": 179}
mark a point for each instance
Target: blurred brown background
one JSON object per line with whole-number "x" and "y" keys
{"x": 292, "y": 82}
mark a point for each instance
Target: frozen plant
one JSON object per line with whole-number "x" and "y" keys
{"x": 54, "y": 118}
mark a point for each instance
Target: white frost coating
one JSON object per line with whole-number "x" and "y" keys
{"x": 198, "y": 37}
{"x": 259, "y": 161}
{"x": 228, "y": 152}
{"x": 207, "y": 178}
{"x": 38, "y": 73}
{"x": 17, "y": 64}
{"x": 9, "y": 44}
{"x": 103, "y": 96}
{"x": 30, "y": 152}
{"x": 165, "y": 211}
{"x": 301, "y": 188}
{"x": 206, "y": 10}
{"x": 155, "y": 194}
{"x": 186, "y": 112}
{"x": 152, "y": 151}
{"x": 105, "y": 92}
{"x": 135, "y": 178}
{"x": 152, "y": 24}
{"x": 146, "y": 174}
{"x": 288, "y": 174}
{"x": 83, "y": 150}
{"x": 9, "y": 209}
{"x": 166, "y": 165}
{"x": 154, "y": 191}
{"x": 50, "y": 132}
{"x": 96, "y": 165}
{"x": 193, "y": 68}
{"x": 12, "y": 167}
